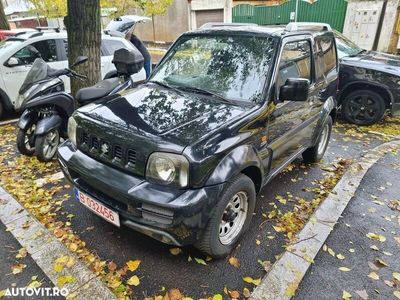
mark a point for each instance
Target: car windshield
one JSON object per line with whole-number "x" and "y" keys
{"x": 346, "y": 47}
{"x": 38, "y": 72}
{"x": 231, "y": 67}
{"x": 9, "y": 43}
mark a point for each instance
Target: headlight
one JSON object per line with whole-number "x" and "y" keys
{"x": 22, "y": 97}
{"x": 167, "y": 168}
{"x": 72, "y": 130}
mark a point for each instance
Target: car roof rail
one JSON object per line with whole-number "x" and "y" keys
{"x": 114, "y": 33}
{"x": 43, "y": 28}
{"x": 36, "y": 34}
{"x": 219, "y": 24}
{"x": 295, "y": 26}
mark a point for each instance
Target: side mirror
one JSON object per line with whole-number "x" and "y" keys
{"x": 295, "y": 89}
{"x": 12, "y": 62}
{"x": 80, "y": 60}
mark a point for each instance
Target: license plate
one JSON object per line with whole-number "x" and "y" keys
{"x": 98, "y": 208}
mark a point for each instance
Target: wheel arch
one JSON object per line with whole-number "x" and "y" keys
{"x": 374, "y": 87}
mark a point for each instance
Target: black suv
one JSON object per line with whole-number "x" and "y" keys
{"x": 182, "y": 157}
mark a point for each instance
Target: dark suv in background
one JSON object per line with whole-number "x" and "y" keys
{"x": 182, "y": 157}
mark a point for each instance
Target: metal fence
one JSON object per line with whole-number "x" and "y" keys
{"x": 327, "y": 11}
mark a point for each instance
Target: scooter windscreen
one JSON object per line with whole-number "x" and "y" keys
{"x": 38, "y": 72}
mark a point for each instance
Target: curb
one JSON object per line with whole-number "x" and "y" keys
{"x": 45, "y": 248}
{"x": 287, "y": 272}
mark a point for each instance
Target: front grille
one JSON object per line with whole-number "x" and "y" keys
{"x": 100, "y": 148}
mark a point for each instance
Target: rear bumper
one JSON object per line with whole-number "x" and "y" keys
{"x": 169, "y": 215}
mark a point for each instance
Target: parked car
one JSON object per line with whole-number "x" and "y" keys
{"x": 182, "y": 157}
{"x": 17, "y": 55}
{"x": 369, "y": 83}
{"x": 4, "y": 34}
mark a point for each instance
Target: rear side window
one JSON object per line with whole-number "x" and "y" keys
{"x": 326, "y": 55}
{"x": 110, "y": 46}
{"x": 295, "y": 62}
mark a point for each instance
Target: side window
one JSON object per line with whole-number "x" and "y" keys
{"x": 295, "y": 62}
{"x": 326, "y": 55}
{"x": 26, "y": 56}
{"x": 110, "y": 46}
{"x": 47, "y": 49}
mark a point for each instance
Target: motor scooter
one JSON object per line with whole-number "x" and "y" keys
{"x": 46, "y": 106}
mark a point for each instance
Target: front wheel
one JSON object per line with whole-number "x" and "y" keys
{"x": 316, "y": 153}
{"x": 26, "y": 141}
{"x": 363, "y": 107}
{"x": 46, "y": 145}
{"x": 230, "y": 219}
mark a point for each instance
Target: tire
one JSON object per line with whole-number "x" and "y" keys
{"x": 46, "y": 145}
{"x": 218, "y": 240}
{"x": 316, "y": 153}
{"x": 363, "y": 107}
{"x": 26, "y": 141}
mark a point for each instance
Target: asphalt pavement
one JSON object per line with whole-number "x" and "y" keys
{"x": 366, "y": 240}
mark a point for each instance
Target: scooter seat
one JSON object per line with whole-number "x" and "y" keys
{"x": 99, "y": 90}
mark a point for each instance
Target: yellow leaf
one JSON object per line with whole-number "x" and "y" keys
{"x": 325, "y": 248}
{"x": 248, "y": 279}
{"x": 62, "y": 280}
{"x": 200, "y": 261}
{"x": 373, "y": 275}
{"x": 331, "y": 252}
{"x": 73, "y": 247}
{"x": 233, "y": 261}
{"x": 346, "y": 295}
{"x": 134, "y": 280}
{"x": 22, "y": 253}
{"x": 258, "y": 242}
{"x": 382, "y": 262}
{"x": 217, "y": 297}
{"x": 257, "y": 281}
{"x": 246, "y": 293}
{"x": 344, "y": 269}
{"x": 175, "y": 251}
{"x": 374, "y": 236}
{"x": 133, "y": 265}
{"x": 278, "y": 229}
{"x": 291, "y": 289}
{"x": 396, "y": 276}
{"x": 2, "y": 293}
{"x": 58, "y": 268}
{"x": 340, "y": 256}
{"x": 34, "y": 284}
{"x": 16, "y": 269}
{"x": 397, "y": 294}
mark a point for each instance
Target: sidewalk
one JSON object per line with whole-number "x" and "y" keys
{"x": 370, "y": 261}
{"x": 30, "y": 274}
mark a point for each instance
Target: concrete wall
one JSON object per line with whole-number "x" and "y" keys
{"x": 168, "y": 27}
{"x": 387, "y": 33}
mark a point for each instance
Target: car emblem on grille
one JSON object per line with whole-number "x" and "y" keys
{"x": 105, "y": 148}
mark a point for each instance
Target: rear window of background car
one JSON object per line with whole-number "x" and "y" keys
{"x": 326, "y": 55}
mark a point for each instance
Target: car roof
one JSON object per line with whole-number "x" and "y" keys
{"x": 270, "y": 30}
{"x": 48, "y": 34}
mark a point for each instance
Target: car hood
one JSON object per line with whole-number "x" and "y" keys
{"x": 375, "y": 60}
{"x": 160, "y": 113}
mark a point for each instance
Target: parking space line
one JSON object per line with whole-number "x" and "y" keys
{"x": 9, "y": 122}
{"x": 287, "y": 272}
{"x": 45, "y": 248}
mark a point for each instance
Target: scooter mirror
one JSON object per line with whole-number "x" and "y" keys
{"x": 80, "y": 60}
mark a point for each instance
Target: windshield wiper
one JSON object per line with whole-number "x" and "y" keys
{"x": 204, "y": 92}
{"x": 164, "y": 85}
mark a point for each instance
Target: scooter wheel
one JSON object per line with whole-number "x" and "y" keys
{"x": 26, "y": 141}
{"x": 46, "y": 145}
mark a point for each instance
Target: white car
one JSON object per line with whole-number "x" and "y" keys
{"x": 17, "y": 56}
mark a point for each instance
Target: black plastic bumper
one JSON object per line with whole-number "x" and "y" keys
{"x": 167, "y": 214}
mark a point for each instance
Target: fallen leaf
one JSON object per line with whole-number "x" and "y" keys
{"x": 133, "y": 265}
{"x": 344, "y": 269}
{"x": 396, "y": 276}
{"x": 58, "y": 268}
{"x": 62, "y": 280}
{"x": 217, "y": 297}
{"x": 374, "y": 236}
{"x": 331, "y": 252}
{"x": 258, "y": 242}
{"x": 340, "y": 256}
{"x": 200, "y": 261}
{"x": 373, "y": 266}
{"x": 373, "y": 275}
{"x": 374, "y": 247}
{"x": 16, "y": 269}
{"x": 351, "y": 250}
{"x": 291, "y": 289}
{"x": 134, "y": 280}
{"x": 34, "y": 284}
{"x": 346, "y": 295}
{"x": 363, "y": 294}
{"x": 397, "y": 294}
{"x": 234, "y": 294}
{"x": 389, "y": 283}
{"x": 175, "y": 251}
{"x": 246, "y": 293}
{"x": 248, "y": 279}
{"x": 22, "y": 253}
{"x": 2, "y": 293}
{"x": 381, "y": 262}
{"x": 112, "y": 266}
{"x": 233, "y": 261}
{"x": 73, "y": 247}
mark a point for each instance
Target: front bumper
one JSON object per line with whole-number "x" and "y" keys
{"x": 167, "y": 214}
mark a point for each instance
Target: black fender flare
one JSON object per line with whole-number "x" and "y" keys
{"x": 5, "y": 100}
{"x": 234, "y": 163}
{"x": 365, "y": 82}
{"x": 27, "y": 118}
{"x": 46, "y": 125}
{"x": 62, "y": 100}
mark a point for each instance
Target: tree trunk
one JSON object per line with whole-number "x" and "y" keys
{"x": 3, "y": 19}
{"x": 84, "y": 38}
